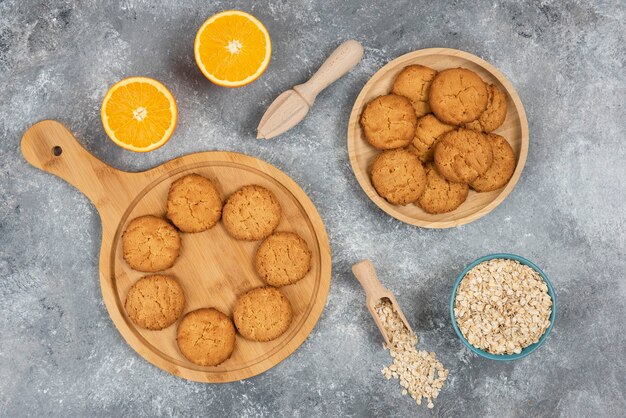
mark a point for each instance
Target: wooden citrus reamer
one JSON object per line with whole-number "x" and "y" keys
{"x": 374, "y": 291}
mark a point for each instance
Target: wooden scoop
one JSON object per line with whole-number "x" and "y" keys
{"x": 292, "y": 106}
{"x": 374, "y": 291}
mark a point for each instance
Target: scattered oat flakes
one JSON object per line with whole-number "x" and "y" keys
{"x": 502, "y": 306}
{"x": 419, "y": 372}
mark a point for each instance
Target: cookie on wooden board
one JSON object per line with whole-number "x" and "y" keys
{"x": 389, "y": 122}
{"x": 251, "y": 213}
{"x": 413, "y": 82}
{"x": 441, "y": 195}
{"x": 463, "y": 155}
{"x": 398, "y": 176}
{"x": 502, "y": 168}
{"x": 282, "y": 259}
{"x": 457, "y": 96}
{"x": 155, "y": 302}
{"x": 150, "y": 244}
{"x": 429, "y": 128}
{"x": 262, "y": 314}
{"x": 193, "y": 203}
{"x": 495, "y": 113}
{"x": 206, "y": 337}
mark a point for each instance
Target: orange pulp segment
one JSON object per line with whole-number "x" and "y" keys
{"x": 139, "y": 114}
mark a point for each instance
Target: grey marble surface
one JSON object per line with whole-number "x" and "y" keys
{"x": 61, "y": 355}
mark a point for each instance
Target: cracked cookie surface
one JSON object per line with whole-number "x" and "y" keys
{"x": 501, "y": 171}
{"x": 282, "y": 259}
{"x": 155, "y": 302}
{"x": 262, "y": 314}
{"x": 457, "y": 96}
{"x": 388, "y": 122}
{"x": 413, "y": 82}
{"x": 398, "y": 176}
{"x": 429, "y": 128}
{"x": 206, "y": 337}
{"x": 251, "y": 213}
{"x": 441, "y": 195}
{"x": 495, "y": 113}
{"x": 193, "y": 203}
{"x": 150, "y": 244}
{"x": 463, "y": 155}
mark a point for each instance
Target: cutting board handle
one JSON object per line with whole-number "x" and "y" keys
{"x": 51, "y": 147}
{"x": 342, "y": 60}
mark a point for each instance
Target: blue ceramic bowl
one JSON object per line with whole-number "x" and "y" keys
{"x": 526, "y": 351}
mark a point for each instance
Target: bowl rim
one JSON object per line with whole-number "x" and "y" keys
{"x": 527, "y": 350}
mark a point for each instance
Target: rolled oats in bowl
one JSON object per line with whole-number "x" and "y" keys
{"x": 503, "y": 306}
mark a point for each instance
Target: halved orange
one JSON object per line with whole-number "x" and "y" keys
{"x": 139, "y": 114}
{"x": 232, "y": 48}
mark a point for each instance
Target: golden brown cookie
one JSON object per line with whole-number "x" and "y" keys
{"x": 398, "y": 176}
{"x": 251, "y": 213}
{"x": 457, "y": 96}
{"x": 150, "y": 244}
{"x": 441, "y": 195}
{"x": 194, "y": 204}
{"x": 413, "y": 82}
{"x": 463, "y": 155}
{"x": 155, "y": 302}
{"x": 493, "y": 117}
{"x": 282, "y": 259}
{"x": 429, "y": 128}
{"x": 388, "y": 122}
{"x": 262, "y": 314}
{"x": 206, "y": 337}
{"x": 501, "y": 170}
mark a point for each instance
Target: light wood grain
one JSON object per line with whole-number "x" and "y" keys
{"x": 213, "y": 268}
{"x": 365, "y": 273}
{"x": 342, "y": 60}
{"x": 514, "y": 129}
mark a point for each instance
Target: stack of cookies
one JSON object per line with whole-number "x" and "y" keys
{"x": 151, "y": 244}
{"x": 435, "y": 133}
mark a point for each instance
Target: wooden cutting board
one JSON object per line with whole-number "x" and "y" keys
{"x": 213, "y": 267}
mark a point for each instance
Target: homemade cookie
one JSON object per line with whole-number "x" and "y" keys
{"x": 389, "y": 122}
{"x": 262, "y": 314}
{"x": 458, "y": 96}
{"x": 413, "y": 82}
{"x": 251, "y": 213}
{"x": 206, "y": 337}
{"x": 441, "y": 195}
{"x": 150, "y": 244}
{"x": 493, "y": 117}
{"x": 155, "y": 302}
{"x": 194, "y": 204}
{"x": 282, "y": 259}
{"x": 500, "y": 172}
{"x": 398, "y": 176}
{"x": 463, "y": 155}
{"x": 429, "y": 128}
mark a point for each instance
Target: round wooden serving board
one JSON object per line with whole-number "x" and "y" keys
{"x": 514, "y": 129}
{"x": 213, "y": 268}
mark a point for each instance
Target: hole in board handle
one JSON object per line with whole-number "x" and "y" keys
{"x": 57, "y": 150}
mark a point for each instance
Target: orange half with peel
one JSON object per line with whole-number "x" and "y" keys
{"x": 232, "y": 48}
{"x": 139, "y": 114}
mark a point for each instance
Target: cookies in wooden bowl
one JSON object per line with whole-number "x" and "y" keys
{"x": 468, "y": 101}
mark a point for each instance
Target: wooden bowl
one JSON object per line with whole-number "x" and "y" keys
{"x": 514, "y": 129}
{"x": 213, "y": 268}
